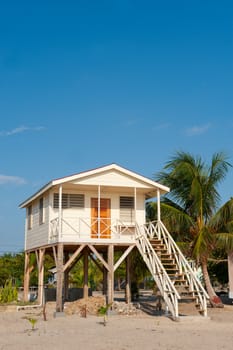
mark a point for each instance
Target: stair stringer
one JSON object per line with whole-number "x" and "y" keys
{"x": 158, "y": 272}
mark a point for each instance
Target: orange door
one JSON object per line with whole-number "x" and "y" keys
{"x": 100, "y": 228}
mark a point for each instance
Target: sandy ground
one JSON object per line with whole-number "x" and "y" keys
{"x": 121, "y": 332}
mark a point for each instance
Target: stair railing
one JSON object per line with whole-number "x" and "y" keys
{"x": 163, "y": 282}
{"x": 159, "y": 231}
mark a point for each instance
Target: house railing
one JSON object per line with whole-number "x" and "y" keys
{"x": 158, "y": 230}
{"x": 91, "y": 227}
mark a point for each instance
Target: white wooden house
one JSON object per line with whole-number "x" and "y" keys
{"x": 93, "y": 214}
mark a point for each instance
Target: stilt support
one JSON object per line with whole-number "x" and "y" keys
{"x": 26, "y": 277}
{"x": 40, "y": 263}
{"x": 127, "y": 287}
{"x": 110, "y": 274}
{"x": 85, "y": 268}
{"x": 59, "y": 298}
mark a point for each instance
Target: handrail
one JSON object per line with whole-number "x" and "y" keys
{"x": 195, "y": 285}
{"x": 158, "y": 272}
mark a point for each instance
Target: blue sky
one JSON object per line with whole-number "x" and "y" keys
{"x": 88, "y": 83}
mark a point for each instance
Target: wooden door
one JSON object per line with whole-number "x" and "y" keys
{"x": 100, "y": 228}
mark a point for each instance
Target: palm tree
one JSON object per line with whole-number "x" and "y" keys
{"x": 192, "y": 202}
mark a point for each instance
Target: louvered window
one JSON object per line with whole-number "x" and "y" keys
{"x": 127, "y": 209}
{"x": 69, "y": 200}
{"x": 41, "y": 211}
{"x": 29, "y": 217}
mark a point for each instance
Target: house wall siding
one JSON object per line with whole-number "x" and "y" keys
{"x": 38, "y": 235}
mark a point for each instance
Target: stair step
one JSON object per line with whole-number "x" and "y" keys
{"x": 167, "y": 261}
{"x": 156, "y": 241}
{"x": 169, "y": 264}
{"x": 174, "y": 269}
{"x": 187, "y": 298}
{"x": 160, "y": 250}
{"x": 165, "y": 256}
{"x": 158, "y": 245}
{"x": 177, "y": 280}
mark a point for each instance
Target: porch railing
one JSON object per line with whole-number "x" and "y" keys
{"x": 91, "y": 227}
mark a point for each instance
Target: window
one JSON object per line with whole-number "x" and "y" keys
{"x": 69, "y": 200}
{"x": 41, "y": 211}
{"x": 29, "y": 217}
{"x": 127, "y": 209}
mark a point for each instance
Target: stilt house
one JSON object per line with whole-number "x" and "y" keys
{"x": 94, "y": 214}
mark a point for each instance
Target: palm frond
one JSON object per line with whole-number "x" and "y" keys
{"x": 203, "y": 243}
{"x": 223, "y": 216}
{"x": 225, "y": 241}
{"x": 219, "y": 167}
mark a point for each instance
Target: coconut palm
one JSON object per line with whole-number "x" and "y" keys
{"x": 191, "y": 203}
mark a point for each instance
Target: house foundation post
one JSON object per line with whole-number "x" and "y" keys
{"x": 111, "y": 274}
{"x": 105, "y": 276}
{"x": 26, "y": 277}
{"x": 85, "y": 270}
{"x": 128, "y": 282}
{"x": 105, "y": 281}
{"x": 41, "y": 276}
{"x": 59, "y": 298}
{"x": 66, "y": 277}
{"x": 66, "y": 284}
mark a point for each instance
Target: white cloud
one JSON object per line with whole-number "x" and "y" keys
{"x": 20, "y": 130}
{"x": 197, "y": 130}
{"x": 15, "y": 180}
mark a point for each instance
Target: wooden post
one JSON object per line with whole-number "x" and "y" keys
{"x": 158, "y": 213}
{"x": 66, "y": 284}
{"x": 41, "y": 275}
{"x": 128, "y": 282}
{"x": 60, "y": 213}
{"x": 105, "y": 275}
{"x": 111, "y": 274}
{"x": 66, "y": 278}
{"x": 59, "y": 301}
{"x": 26, "y": 277}
{"x": 105, "y": 281}
{"x": 85, "y": 268}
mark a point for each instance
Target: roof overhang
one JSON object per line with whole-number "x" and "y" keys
{"x": 150, "y": 191}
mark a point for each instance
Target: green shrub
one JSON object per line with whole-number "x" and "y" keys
{"x": 8, "y": 293}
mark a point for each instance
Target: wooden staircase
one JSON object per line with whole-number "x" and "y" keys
{"x": 181, "y": 290}
{"x": 188, "y": 303}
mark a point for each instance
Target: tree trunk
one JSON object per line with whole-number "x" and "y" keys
{"x": 215, "y": 301}
{"x": 230, "y": 273}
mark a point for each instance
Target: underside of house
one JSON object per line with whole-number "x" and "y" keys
{"x": 93, "y": 216}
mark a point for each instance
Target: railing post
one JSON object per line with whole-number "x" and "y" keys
{"x": 98, "y": 222}
{"x": 60, "y": 213}
{"x": 158, "y": 213}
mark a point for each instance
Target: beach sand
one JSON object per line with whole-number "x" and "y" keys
{"x": 120, "y": 333}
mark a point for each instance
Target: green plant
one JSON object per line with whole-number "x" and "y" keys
{"x": 32, "y": 322}
{"x": 103, "y": 311}
{"x": 8, "y": 293}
